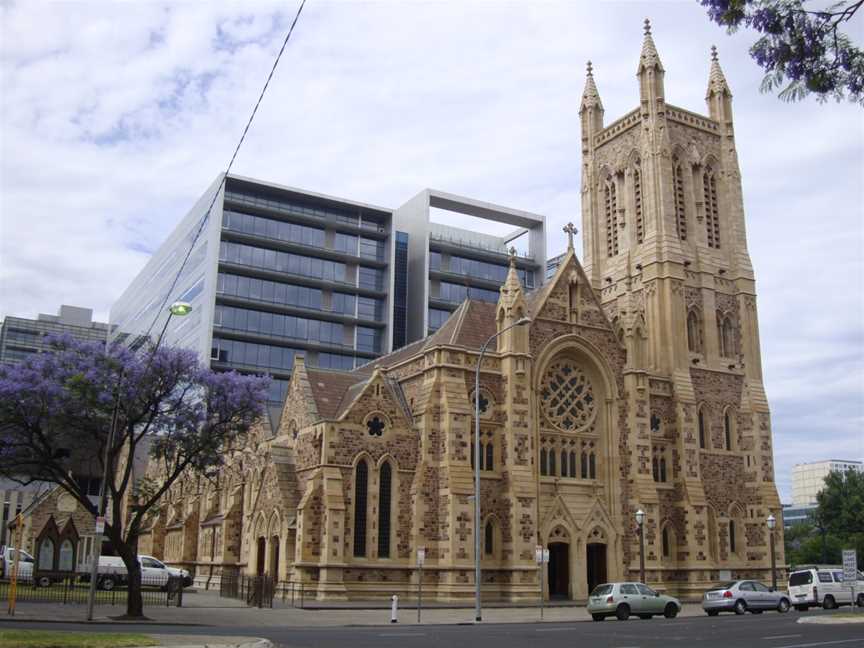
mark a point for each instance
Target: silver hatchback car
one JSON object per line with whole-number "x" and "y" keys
{"x": 623, "y": 599}
{"x": 743, "y": 596}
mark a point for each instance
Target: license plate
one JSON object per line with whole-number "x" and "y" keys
{"x": 713, "y": 595}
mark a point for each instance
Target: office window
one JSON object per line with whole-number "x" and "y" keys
{"x": 345, "y": 243}
{"x": 368, "y": 339}
{"x": 370, "y": 278}
{"x": 437, "y": 317}
{"x": 435, "y": 261}
{"x": 372, "y": 249}
{"x": 370, "y": 308}
{"x": 343, "y": 303}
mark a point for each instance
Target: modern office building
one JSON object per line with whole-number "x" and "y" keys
{"x": 21, "y": 337}
{"x": 278, "y": 271}
{"x": 809, "y": 478}
{"x": 447, "y": 265}
{"x": 793, "y": 515}
{"x": 552, "y": 265}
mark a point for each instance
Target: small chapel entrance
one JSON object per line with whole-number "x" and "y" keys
{"x": 559, "y": 570}
{"x": 596, "y": 565}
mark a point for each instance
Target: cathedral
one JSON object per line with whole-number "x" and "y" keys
{"x": 636, "y": 384}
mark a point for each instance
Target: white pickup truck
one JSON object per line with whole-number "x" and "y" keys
{"x": 154, "y": 573}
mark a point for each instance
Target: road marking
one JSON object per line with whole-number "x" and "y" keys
{"x": 792, "y": 636}
{"x": 822, "y": 643}
{"x": 553, "y": 629}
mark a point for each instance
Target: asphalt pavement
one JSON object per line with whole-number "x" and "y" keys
{"x": 770, "y": 630}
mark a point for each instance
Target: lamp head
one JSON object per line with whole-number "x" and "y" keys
{"x": 522, "y": 321}
{"x": 771, "y": 522}
{"x": 640, "y": 517}
{"x": 180, "y": 308}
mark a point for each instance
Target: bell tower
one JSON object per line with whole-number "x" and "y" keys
{"x": 665, "y": 249}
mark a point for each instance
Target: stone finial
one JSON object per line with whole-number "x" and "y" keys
{"x": 570, "y": 230}
{"x": 590, "y": 96}
{"x": 649, "y": 58}
{"x": 716, "y": 79}
{"x": 590, "y": 69}
{"x": 647, "y": 26}
{"x": 714, "y": 53}
{"x": 512, "y": 253}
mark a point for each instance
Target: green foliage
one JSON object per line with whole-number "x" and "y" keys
{"x": 51, "y": 639}
{"x": 838, "y": 523}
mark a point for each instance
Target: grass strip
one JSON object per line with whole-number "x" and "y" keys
{"x": 46, "y": 639}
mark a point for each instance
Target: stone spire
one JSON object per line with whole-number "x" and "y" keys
{"x": 512, "y": 286}
{"x": 649, "y": 57}
{"x": 590, "y": 96}
{"x": 716, "y": 80}
{"x": 512, "y": 307}
{"x": 718, "y": 96}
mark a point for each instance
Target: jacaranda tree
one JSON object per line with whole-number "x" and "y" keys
{"x": 801, "y": 48}
{"x": 57, "y": 409}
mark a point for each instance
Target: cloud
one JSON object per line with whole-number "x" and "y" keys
{"x": 117, "y": 116}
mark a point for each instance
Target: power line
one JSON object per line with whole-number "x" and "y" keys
{"x": 206, "y": 217}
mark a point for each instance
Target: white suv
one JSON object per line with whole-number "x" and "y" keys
{"x": 823, "y": 586}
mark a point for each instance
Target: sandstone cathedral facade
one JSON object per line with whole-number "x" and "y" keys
{"x": 636, "y": 385}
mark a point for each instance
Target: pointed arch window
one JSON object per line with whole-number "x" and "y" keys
{"x": 694, "y": 331}
{"x": 592, "y": 466}
{"x": 732, "y": 545}
{"x": 701, "y": 418}
{"x": 712, "y": 212}
{"x": 361, "y": 482}
{"x": 543, "y": 458}
{"x": 564, "y": 463}
{"x": 611, "y": 210}
{"x": 637, "y": 203}
{"x": 727, "y": 431}
{"x": 573, "y": 472}
{"x": 552, "y": 462}
{"x": 584, "y": 465}
{"x": 665, "y": 538}
{"x": 385, "y": 477}
{"x": 489, "y": 539}
{"x": 680, "y": 210}
{"x": 726, "y": 333}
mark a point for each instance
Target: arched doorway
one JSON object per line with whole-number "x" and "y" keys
{"x": 262, "y": 556}
{"x": 559, "y": 570}
{"x": 595, "y": 563}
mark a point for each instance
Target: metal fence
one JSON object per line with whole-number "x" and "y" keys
{"x": 73, "y": 589}
{"x": 257, "y": 591}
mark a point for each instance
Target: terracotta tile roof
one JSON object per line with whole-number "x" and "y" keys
{"x": 329, "y": 387}
{"x": 476, "y": 325}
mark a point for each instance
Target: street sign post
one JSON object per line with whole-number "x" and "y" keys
{"x": 850, "y": 571}
{"x": 421, "y": 559}
{"x": 541, "y": 556}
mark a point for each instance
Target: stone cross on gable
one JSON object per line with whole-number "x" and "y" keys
{"x": 570, "y": 230}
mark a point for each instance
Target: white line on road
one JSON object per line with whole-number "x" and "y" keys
{"x": 792, "y": 636}
{"x": 553, "y": 629}
{"x": 823, "y": 643}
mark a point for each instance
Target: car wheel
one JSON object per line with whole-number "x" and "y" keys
{"x": 671, "y": 611}
{"x": 829, "y": 603}
{"x": 802, "y": 608}
{"x": 783, "y": 606}
{"x": 860, "y": 600}
{"x": 43, "y": 581}
{"x": 712, "y": 612}
{"x": 740, "y": 606}
{"x": 598, "y": 617}
{"x": 644, "y": 616}
{"x": 623, "y": 612}
{"x": 107, "y": 583}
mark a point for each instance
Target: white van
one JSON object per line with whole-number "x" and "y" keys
{"x": 26, "y": 562}
{"x": 154, "y": 573}
{"x": 823, "y": 586}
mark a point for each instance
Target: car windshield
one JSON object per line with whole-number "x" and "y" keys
{"x": 602, "y": 590}
{"x": 724, "y": 586}
{"x": 800, "y": 578}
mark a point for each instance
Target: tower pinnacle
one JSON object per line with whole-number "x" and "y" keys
{"x": 649, "y": 57}
{"x": 590, "y": 96}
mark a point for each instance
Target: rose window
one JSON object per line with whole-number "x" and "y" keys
{"x": 567, "y": 396}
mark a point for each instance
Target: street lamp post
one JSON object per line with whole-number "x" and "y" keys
{"x": 640, "y": 522}
{"x": 772, "y": 523}
{"x": 478, "y": 616}
{"x": 180, "y": 309}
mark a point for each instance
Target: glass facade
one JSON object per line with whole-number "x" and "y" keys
{"x": 456, "y": 293}
{"x": 400, "y": 293}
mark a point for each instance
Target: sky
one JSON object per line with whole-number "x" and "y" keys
{"x": 117, "y": 116}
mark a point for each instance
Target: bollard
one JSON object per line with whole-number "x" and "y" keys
{"x": 394, "y": 609}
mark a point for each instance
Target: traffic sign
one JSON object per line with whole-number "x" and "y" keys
{"x": 850, "y": 566}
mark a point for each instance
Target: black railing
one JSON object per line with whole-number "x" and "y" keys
{"x": 257, "y": 591}
{"x": 48, "y": 587}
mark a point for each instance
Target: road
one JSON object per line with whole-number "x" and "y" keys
{"x": 761, "y": 631}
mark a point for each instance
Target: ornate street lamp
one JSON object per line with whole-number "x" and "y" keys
{"x": 772, "y": 523}
{"x": 640, "y": 522}
{"x": 520, "y": 322}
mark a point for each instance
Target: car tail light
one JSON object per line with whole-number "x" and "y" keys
{"x": 727, "y": 594}
{"x": 610, "y": 599}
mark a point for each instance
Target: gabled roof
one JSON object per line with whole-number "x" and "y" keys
{"x": 329, "y": 387}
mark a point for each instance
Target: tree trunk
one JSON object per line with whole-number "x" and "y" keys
{"x": 129, "y": 553}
